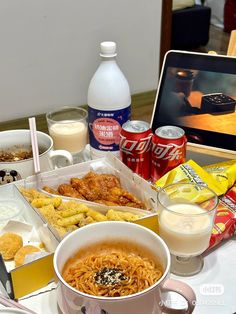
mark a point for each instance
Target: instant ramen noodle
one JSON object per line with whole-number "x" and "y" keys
{"x": 112, "y": 269}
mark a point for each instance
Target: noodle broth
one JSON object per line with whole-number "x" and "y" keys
{"x": 112, "y": 269}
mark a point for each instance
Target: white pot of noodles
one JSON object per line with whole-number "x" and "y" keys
{"x": 113, "y": 268}
{"x": 16, "y": 156}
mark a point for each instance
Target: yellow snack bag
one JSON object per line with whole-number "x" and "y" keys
{"x": 224, "y": 172}
{"x": 190, "y": 171}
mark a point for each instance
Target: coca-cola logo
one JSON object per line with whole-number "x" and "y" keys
{"x": 138, "y": 146}
{"x": 170, "y": 152}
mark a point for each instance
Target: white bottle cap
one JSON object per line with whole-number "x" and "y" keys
{"x": 108, "y": 49}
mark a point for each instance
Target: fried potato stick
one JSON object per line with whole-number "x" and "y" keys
{"x": 96, "y": 215}
{"x": 41, "y": 202}
{"x": 121, "y": 216}
{"x": 72, "y": 208}
{"x": 71, "y": 220}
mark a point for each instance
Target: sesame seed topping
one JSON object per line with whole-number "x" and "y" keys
{"x": 110, "y": 276}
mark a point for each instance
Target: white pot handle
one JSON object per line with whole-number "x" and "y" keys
{"x": 53, "y": 154}
{"x": 185, "y": 291}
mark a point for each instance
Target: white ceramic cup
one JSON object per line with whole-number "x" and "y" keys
{"x": 148, "y": 301}
{"x": 16, "y": 170}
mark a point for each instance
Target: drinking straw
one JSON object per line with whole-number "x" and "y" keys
{"x": 231, "y": 51}
{"x": 34, "y": 143}
{"x": 13, "y": 304}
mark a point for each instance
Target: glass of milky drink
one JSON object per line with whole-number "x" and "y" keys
{"x": 68, "y": 128}
{"x": 186, "y": 217}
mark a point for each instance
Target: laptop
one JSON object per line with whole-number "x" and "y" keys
{"x": 197, "y": 92}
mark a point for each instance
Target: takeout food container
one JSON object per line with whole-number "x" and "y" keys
{"x": 130, "y": 181}
{"x": 40, "y": 272}
{"x": 22, "y": 280}
{"x": 63, "y": 216}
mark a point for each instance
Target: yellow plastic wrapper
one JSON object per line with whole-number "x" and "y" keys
{"x": 191, "y": 172}
{"x": 224, "y": 172}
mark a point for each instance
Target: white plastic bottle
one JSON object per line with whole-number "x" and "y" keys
{"x": 109, "y": 103}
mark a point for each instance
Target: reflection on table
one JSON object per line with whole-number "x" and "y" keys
{"x": 223, "y": 123}
{"x": 217, "y": 122}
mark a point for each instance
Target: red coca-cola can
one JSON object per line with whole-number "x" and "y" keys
{"x": 168, "y": 150}
{"x": 135, "y": 147}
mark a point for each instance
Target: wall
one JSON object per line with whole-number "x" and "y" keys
{"x": 50, "y": 49}
{"x": 217, "y": 11}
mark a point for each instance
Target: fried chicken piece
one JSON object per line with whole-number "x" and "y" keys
{"x": 100, "y": 188}
{"x": 95, "y": 186}
{"x": 68, "y": 190}
{"x": 124, "y": 198}
{"x": 108, "y": 180}
{"x": 105, "y": 189}
{"x": 82, "y": 187}
{"x": 50, "y": 190}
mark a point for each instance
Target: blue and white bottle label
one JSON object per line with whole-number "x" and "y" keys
{"x": 105, "y": 127}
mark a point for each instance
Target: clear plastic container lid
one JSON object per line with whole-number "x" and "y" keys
{"x": 9, "y": 210}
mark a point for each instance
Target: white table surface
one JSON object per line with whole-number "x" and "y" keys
{"x": 215, "y": 286}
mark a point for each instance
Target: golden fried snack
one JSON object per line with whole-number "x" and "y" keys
{"x": 31, "y": 194}
{"x": 72, "y": 208}
{"x": 71, "y": 228}
{"x": 71, "y": 220}
{"x": 10, "y": 243}
{"x": 65, "y": 205}
{"x": 89, "y": 193}
{"x": 49, "y": 213}
{"x": 96, "y": 215}
{"x": 124, "y": 198}
{"x": 86, "y": 221}
{"x": 52, "y": 215}
{"x": 70, "y": 215}
{"x": 121, "y": 216}
{"x": 43, "y": 201}
{"x": 68, "y": 190}
{"x": 51, "y": 190}
{"x": 20, "y": 255}
{"x": 99, "y": 188}
{"x": 95, "y": 186}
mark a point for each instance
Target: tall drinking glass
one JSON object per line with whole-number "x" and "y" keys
{"x": 186, "y": 218}
{"x": 68, "y": 128}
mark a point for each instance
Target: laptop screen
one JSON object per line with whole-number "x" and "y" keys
{"x": 197, "y": 92}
